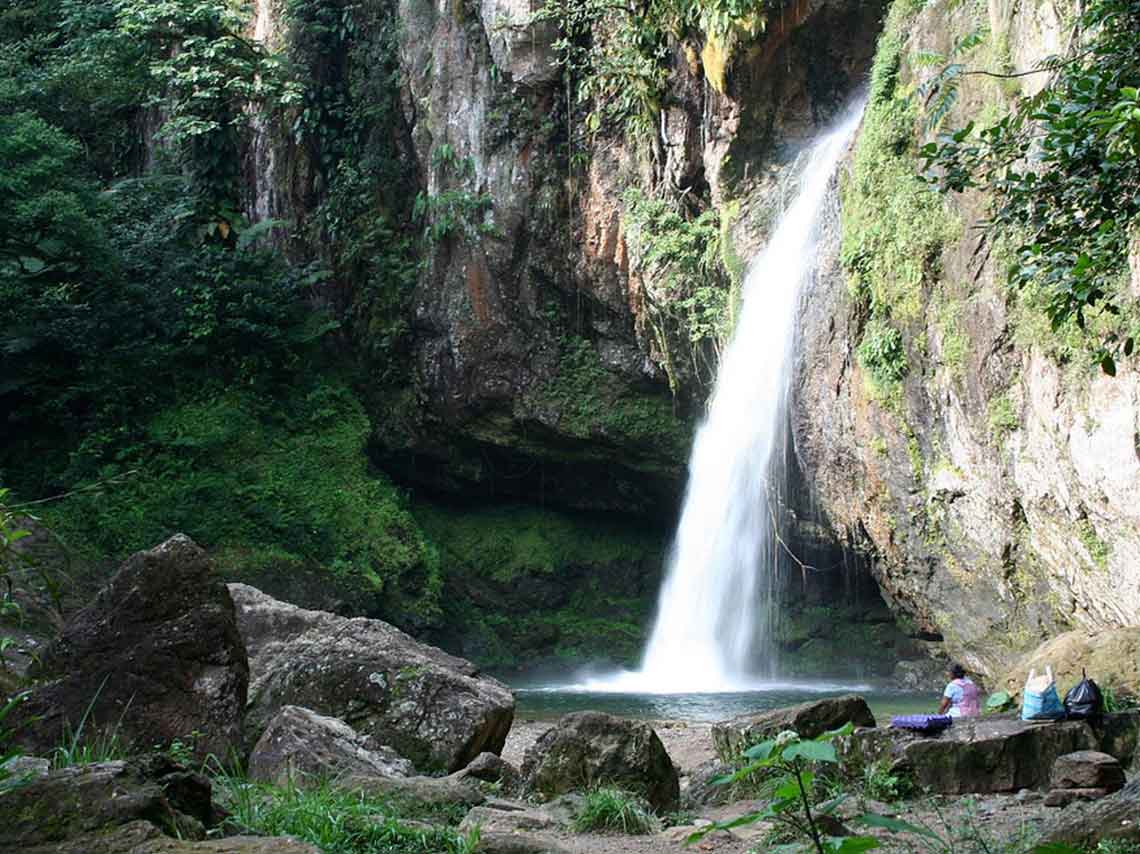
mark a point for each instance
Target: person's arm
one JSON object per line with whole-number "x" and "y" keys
{"x": 948, "y": 697}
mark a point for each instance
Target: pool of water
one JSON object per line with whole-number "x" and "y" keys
{"x": 552, "y": 700}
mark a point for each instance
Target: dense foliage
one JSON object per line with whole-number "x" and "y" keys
{"x": 614, "y": 57}
{"x": 1063, "y": 170}
{"x": 164, "y": 366}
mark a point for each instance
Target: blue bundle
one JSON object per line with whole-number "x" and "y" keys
{"x": 1039, "y": 699}
{"x": 921, "y": 723}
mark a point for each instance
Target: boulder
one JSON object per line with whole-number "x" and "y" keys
{"x": 155, "y": 657}
{"x": 811, "y": 719}
{"x": 1087, "y": 769}
{"x": 492, "y": 768}
{"x": 590, "y": 748}
{"x": 1110, "y": 656}
{"x": 70, "y": 802}
{"x": 142, "y": 837}
{"x": 299, "y": 745}
{"x": 433, "y": 708}
{"x": 987, "y": 754}
{"x": 1084, "y": 824}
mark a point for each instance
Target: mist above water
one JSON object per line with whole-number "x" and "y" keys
{"x": 711, "y": 632}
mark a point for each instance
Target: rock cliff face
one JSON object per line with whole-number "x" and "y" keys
{"x": 550, "y": 362}
{"x": 993, "y": 485}
{"x": 546, "y": 367}
{"x": 537, "y": 354}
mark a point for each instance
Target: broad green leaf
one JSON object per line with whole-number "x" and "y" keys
{"x": 846, "y": 729}
{"x": 813, "y": 751}
{"x": 853, "y": 844}
{"x": 760, "y": 751}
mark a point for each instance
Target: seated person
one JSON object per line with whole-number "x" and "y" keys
{"x": 960, "y": 699}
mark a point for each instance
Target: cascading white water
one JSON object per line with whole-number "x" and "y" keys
{"x": 710, "y": 630}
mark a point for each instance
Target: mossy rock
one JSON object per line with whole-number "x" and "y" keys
{"x": 1111, "y": 657}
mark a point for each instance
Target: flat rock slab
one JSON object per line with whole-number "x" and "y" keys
{"x": 811, "y": 719}
{"x": 979, "y": 755}
{"x": 1064, "y": 797}
{"x": 142, "y": 837}
{"x": 509, "y": 821}
{"x": 424, "y": 791}
{"x": 500, "y": 842}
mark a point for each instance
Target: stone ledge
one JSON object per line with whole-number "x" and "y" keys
{"x": 988, "y": 754}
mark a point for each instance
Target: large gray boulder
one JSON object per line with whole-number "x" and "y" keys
{"x": 433, "y": 708}
{"x": 810, "y": 719}
{"x": 301, "y": 746}
{"x": 585, "y": 749}
{"x": 155, "y": 657}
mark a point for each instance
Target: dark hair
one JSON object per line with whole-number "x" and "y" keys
{"x": 957, "y": 671}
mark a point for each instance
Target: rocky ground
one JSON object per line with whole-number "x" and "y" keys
{"x": 307, "y": 700}
{"x": 970, "y": 822}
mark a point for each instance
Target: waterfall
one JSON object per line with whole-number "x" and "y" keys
{"x": 711, "y": 630}
{"x": 262, "y": 153}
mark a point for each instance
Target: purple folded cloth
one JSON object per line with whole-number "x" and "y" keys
{"x": 922, "y": 723}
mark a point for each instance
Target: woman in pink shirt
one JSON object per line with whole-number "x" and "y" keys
{"x": 960, "y": 699}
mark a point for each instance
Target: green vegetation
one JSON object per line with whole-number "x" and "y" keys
{"x": 882, "y": 355}
{"x": 691, "y": 276}
{"x": 1003, "y": 417}
{"x": 504, "y": 543}
{"x": 894, "y": 230}
{"x": 277, "y": 485}
{"x": 166, "y": 369}
{"x": 1098, "y": 549}
{"x": 546, "y": 583}
{"x": 456, "y": 210}
{"x": 1072, "y": 214}
{"x": 608, "y": 810}
{"x": 684, "y": 265}
{"x": 8, "y": 751}
{"x": 793, "y": 767}
{"x": 881, "y": 783}
{"x": 620, "y": 81}
{"x": 336, "y": 820}
{"x": 591, "y": 402}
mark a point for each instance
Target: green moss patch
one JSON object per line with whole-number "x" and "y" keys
{"x": 277, "y": 487}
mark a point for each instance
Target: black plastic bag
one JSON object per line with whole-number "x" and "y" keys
{"x": 1084, "y": 699}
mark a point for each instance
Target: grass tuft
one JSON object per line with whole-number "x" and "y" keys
{"x": 336, "y": 820}
{"x": 614, "y": 811}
